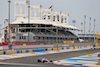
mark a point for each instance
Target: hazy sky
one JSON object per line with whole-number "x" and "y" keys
{"x": 75, "y": 8}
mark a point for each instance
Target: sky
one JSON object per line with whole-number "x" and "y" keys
{"x": 75, "y": 8}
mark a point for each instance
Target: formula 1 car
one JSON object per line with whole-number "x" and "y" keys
{"x": 44, "y": 60}
{"x": 93, "y": 47}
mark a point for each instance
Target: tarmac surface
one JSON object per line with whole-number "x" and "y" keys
{"x": 31, "y": 65}
{"x": 32, "y": 61}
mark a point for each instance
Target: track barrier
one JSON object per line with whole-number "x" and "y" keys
{"x": 23, "y": 51}
{"x": 89, "y": 55}
{"x": 49, "y": 49}
{"x": 76, "y": 47}
{"x": 4, "y": 52}
{"x": 88, "y": 45}
{"x": 11, "y": 52}
{"x": 91, "y": 45}
{"x": 78, "y": 64}
{"x": 73, "y": 48}
{"x": 43, "y": 49}
{"x": 46, "y": 49}
{"x": 1, "y": 52}
{"x": 18, "y": 51}
{"x": 58, "y": 50}
{"x": 67, "y": 47}
{"x": 80, "y": 46}
{"x": 32, "y": 52}
{"x": 54, "y": 48}
{"x": 62, "y": 48}
{"x": 38, "y": 50}
{"x": 84, "y": 46}
{"x": 27, "y": 51}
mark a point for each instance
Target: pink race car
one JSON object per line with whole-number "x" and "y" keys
{"x": 44, "y": 60}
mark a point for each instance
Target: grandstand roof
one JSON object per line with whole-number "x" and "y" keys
{"x": 37, "y": 21}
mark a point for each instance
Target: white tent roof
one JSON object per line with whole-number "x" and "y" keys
{"x": 1, "y": 39}
{"x": 25, "y": 21}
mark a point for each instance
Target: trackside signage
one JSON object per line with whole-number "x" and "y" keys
{"x": 98, "y": 36}
{"x": 68, "y": 42}
{"x": 97, "y": 44}
{"x": 24, "y": 44}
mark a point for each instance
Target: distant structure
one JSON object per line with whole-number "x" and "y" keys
{"x": 39, "y": 25}
{"x": 0, "y": 34}
{"x": 88, "y": 37}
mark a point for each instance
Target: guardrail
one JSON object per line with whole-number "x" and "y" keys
{"x": 25, "y": 47}
{"x": 42, "y": 49}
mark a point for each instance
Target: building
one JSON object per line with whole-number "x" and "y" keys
{"x": 87, "y": 37}
{"x": 38, "y": 25}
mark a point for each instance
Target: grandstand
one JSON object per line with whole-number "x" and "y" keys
{"x": 43, "y": 26}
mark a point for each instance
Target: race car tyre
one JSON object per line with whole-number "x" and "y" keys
{"x": 39, "y": 60}
{"x": 44, "y": 61}
{"x": 51, "y": 61}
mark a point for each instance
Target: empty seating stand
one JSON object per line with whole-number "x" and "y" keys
{"x": 60, "y": 32}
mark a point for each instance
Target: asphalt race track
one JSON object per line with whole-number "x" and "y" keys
{"x": 54, "y": 57}
{"x": 38, "y": 65}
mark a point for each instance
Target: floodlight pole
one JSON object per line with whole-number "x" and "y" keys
{"x": 74, "y": 21}
{"x": 81, "y": 27}
{"x": 29, "y": 11}
{"x": 9, "y": 19}
{"x": 89, "y": 26}
{"x": 28, "y": 16}
{"x": 84, "y": 25}
{"x": 94, "y": 30}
